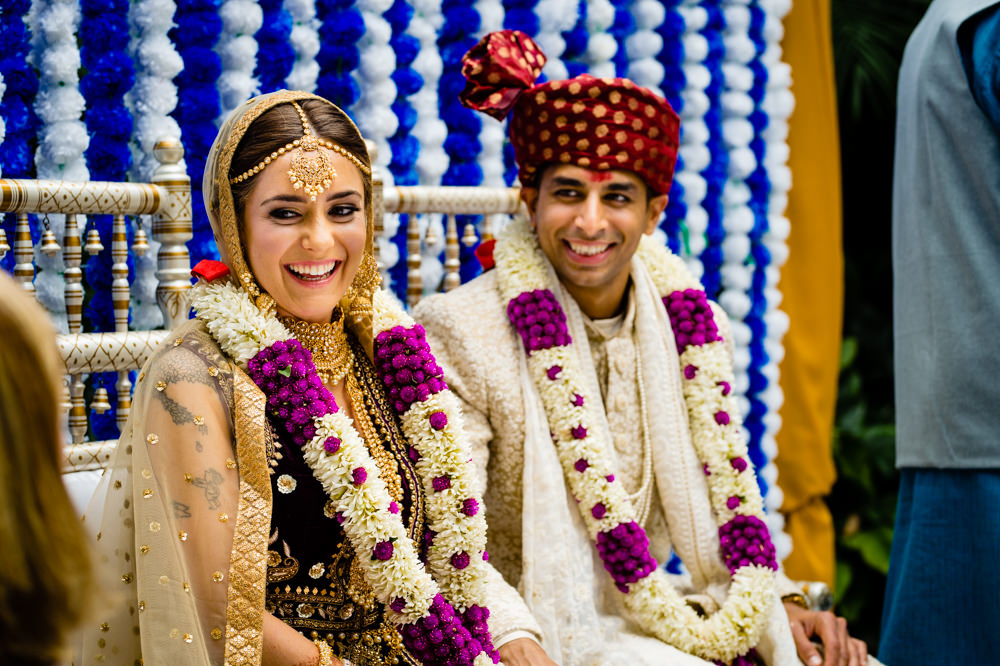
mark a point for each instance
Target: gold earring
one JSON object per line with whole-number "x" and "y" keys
{"x": 367, "y": 279}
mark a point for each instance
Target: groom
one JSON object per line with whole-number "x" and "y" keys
{"x": 566, "y": 349}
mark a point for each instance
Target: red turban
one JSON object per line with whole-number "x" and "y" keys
{"x": 593, "y": 123}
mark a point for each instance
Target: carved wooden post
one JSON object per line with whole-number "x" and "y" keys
{"x": 452, "y": 278}
{"x": 24, "y": 254}
{"x": 172, "y": 228}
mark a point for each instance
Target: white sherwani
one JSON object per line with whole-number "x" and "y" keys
{"x": 536, "y": 538}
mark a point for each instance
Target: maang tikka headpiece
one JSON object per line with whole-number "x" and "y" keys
{"x": 311, "y": 168}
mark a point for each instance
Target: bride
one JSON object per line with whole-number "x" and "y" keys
{"x": 293, "y": 485}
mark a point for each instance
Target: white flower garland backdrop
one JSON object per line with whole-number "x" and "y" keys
{"x": 719, "y": 63}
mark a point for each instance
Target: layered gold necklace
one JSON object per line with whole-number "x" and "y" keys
{"x": 328, "y": 343}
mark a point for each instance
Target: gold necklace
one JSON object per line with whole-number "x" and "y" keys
{"x": 328, "y": 343}
{"x": 383, "y": 459}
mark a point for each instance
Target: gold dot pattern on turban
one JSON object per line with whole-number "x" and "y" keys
{"x": 595, "y": 123}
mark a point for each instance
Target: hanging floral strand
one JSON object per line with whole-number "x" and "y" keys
{"x": 304, "y": 40}
{"x": 196, "y": 33}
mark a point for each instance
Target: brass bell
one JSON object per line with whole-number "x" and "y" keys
{"x": 139, "y": 243}
{"x": 469, "y": 237}
{"x": 93, "y": 245}
{"x": 4, "y": 248}
{"x": 100, "y": 402}
{"x": 50, "y": 246}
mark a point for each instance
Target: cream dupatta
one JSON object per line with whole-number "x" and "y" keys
{"x": 181, "y": 516}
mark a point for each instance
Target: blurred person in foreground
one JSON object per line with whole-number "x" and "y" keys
{"x": 292, "y": 486}
{"x": 943, "y": 583}
{"x": 597, "y": 385}
{"x": 45, "y": 573}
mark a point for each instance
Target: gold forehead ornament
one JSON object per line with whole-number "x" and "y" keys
{"x": 311, "y": 168}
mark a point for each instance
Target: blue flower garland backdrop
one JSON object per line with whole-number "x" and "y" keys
{"x": 722, "y": 71}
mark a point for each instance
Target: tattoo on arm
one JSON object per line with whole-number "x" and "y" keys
{"x": 211, "y": 483}
{"x": 181, "y": 510}
{"x": 172, "y": 374}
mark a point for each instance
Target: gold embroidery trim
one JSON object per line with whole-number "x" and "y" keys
{"x": 248, "y": 560}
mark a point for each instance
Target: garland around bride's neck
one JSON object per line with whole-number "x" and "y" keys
{"x": 730, "y": 634}
{"x": 439, "y": 605}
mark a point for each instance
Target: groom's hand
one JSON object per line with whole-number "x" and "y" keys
{"x": 524, "y": 652}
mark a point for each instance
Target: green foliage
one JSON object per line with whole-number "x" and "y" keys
{"x": 863, "y": 501}
{"x": 868, "y": 38}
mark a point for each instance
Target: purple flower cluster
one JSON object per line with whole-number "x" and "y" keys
{"x": 748, "y": 659}
{"x": 474, "y": 619}
{"x": 539, "y": 319}
{"x": 745, "y": 540}
{"x": 295, "y": 393}
{"x": 691, "y": 318}
{"x": 625, "y": 553}
{"x": 382, "y": 551}
{"x": 407, "y": 367}
{"x": 440, "y": 637}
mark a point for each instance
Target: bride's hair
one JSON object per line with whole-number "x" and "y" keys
{"x": 281, "y": 125}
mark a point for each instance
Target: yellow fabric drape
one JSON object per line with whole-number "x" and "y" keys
{"x": 812, "y": 285}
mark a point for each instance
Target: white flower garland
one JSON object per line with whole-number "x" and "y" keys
{"x": 242, "y": 331}
{"x": 778, "y": 104}
{"x": 63, "y": 137}
{"x": 659, "y": 609}
{"x": 553, "y": 20}
{"x": 738, "y": 219}
{"x": 601, "y": 46}
{"x": 492, "y": 136}
{"x": 373, "y": 109}
{"x": 151, "y": 101}
{"x": 305, "y": 43}
{"x": 645, "y": 44}
{"x": 429, "y": 129}
{"x": 237, "y": 49}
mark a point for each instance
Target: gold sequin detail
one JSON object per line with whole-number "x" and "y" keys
{"x": 143, "y": 549}
{"x": 147, "y": 492}
{"x": 217, "y": 576}
{"x": 223, "y": 517}
{"x": 154, "y": 526}
{"x": 127, "y": 578}
{"x": 188, "y": 638}
{"x": 186, "y": 586}
{"x": 230, "y": 463}
{"x": 178, "y": 341}
{"x": 147, "y": 473}
{"x": 188, "y": 477}
{"x": 213, "y": 371}
{"x": 117, "y": 484}
{"x": 182, "y": 535}
{"x": 152, "y": 438}
{"x": 216, "y": 633}
{"x": 164, "y": 580}
{"x": 199, "y": 420}
{"x": 105, "y": 627}
{"x": 161, "y": 385}
{"x": 142, "y": 606}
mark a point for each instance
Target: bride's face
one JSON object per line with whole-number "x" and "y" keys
{"x": 305, "y": 253}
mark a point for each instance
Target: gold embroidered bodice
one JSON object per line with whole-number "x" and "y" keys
{"x": 314, "y": 581}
